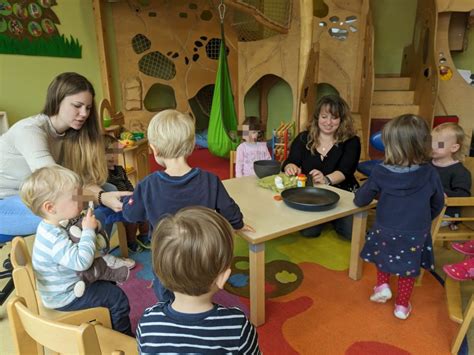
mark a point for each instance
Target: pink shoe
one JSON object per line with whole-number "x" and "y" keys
{"x": 402, "y": 312}
{"x": 463, "y": 271}
{"x": 381, "y": 293}
{"x": 466, "y": 248}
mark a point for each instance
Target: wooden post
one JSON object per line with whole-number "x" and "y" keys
{"x": 102, "y": 46}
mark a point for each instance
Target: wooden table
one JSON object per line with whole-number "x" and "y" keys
{"x": 272, "y": 219}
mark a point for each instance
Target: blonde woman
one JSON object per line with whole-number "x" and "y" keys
{"x": 66, "y": 133}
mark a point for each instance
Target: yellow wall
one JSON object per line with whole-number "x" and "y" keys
{"x": 24, "y": 79}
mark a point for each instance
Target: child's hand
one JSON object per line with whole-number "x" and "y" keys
{"x": 89, "y": 221}
{"x": 246, "y": 228}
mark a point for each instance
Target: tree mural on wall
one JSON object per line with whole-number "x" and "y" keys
{"x": 29, "y": 27}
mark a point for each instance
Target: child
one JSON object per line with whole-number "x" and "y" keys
{"x": 118, "y": 177}
{"x": 53, "y": 193}
{"x": 192, "y": 323}
{"x": 171, "y": 137}
{"x": 251, "y": 150}
{"x": 410, "y": 196}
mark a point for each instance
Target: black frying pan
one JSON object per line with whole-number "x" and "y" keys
{"x": 310, "y": 198}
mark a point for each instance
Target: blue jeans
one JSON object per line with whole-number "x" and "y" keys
{"x": 105, "y": 294}
{"x": 161, "y": 292}
{"x": 16, "y": 218}
{"x": 343, "y": 227}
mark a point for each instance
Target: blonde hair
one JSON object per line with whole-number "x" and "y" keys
{"x": 172, "y": 134}
{"x": 47, "y": 184}
{"x": 338, "y": 108}
{"x": 407, "y": 141}
{"x": 191, "y": 248}
{"x": 82, "y": 149}
{"x": 458, "y": 134}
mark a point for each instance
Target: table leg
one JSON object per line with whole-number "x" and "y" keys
{"x": 359, "y": 226}
{"x": 257, "y": 283}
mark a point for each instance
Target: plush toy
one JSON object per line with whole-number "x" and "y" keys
{"x": 99, "y": 269}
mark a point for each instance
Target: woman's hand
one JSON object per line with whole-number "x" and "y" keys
{"x": 317, "y": 176}
{"x": 112, "y": 199}
{"x": 89, "y": 221}
{"x": 292, "y": 169}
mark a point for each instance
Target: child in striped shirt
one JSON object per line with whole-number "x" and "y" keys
{"x": 192, "y": 253}
{"x": 53, "y": 193}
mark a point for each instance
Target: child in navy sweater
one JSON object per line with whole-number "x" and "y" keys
{"x": 171, "y": 136}
{"x": 410, "y": 196}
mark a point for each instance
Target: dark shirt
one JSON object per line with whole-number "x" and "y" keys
{"x": 118, "y": 177}
{"x": 407, "y": 201}
{"x": 220, "y": 330}
{"x": 159, "y": 194}
{"x": 456, "y": 180}
{"x": 342, "y": 157}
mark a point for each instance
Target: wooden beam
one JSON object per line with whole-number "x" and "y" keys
{"x": 258, "y": 16}
{"x": 102, "y": 46}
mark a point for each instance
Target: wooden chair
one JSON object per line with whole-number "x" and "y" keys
{"x": 468, "y": 315}
{"x": 31, "y": 332}
{"x": 232, "y": 157}
{"x": 25, "y": 287}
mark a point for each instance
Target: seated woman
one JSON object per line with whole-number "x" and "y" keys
{"x": 328, "y": 152}
{"x": 66, "y": 133}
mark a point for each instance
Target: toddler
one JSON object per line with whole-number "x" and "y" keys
{"x": 118, "y": 177}
{"x": 171, "y": 137}
{"x": 53, "y": 193}
{"x": 410, "y": 196}
{"x": 191, "y": 323}
{"x": 251, "y": 150}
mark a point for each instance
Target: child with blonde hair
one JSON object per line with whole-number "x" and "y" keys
{"x": 251, "y": 149}
{"x": 54, "y": 194}
{"x": 171, "y": 137}
{"x": 410, "y": 196}
{"x": 448, "y": 144}
{"x": 205, "y": 237}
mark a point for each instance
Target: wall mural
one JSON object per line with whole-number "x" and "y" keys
{"x": 30, "y": 28}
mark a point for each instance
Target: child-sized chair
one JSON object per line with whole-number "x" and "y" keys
{"x": 32, "y": 332}
{"x": 25, "y": 287}
{"x": 232, "y": 157}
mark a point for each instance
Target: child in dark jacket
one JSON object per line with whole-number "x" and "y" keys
{"x": 171, "y": 136}
{"x": 410, "y": 196}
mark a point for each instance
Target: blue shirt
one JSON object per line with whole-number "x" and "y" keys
{"x": 56, "y": 261}
{"x": 220, "y": 330}
{"x": 159, "y": 194}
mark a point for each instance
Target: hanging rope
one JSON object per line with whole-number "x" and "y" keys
{"x": 221, "y": 8}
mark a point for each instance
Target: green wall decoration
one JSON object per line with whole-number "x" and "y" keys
{"x": 30, "y": 28}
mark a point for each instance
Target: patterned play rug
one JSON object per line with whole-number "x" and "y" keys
{"x": 313, "y": 307}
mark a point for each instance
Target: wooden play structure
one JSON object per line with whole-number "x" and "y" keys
{"x": 166, "y": 54}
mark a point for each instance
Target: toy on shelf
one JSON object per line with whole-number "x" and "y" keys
{"x": 281, "y": 139}
{"x": 135, "y": 145}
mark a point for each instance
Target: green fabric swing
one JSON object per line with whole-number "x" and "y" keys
{"x": 223, "y": 118}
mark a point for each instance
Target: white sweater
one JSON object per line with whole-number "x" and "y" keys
{"x": 28, "y": 145}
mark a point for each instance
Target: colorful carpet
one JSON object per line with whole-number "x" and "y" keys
{"x": 313, "y": 307}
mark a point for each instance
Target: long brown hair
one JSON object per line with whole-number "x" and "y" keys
{"x": 407, "y": 141}
{"x": 83, "y": 150}
{"x": 338, "y": 108}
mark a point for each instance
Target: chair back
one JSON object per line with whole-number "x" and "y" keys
{"x": 232, "y": 157}
{"x": 468, "y": 211}
{"x": 23, "y": 275}
{"x": 29, "y": 330}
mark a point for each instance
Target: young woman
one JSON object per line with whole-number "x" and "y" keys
{"x": 66, "y": 133}
{"x": 328, "y": 152}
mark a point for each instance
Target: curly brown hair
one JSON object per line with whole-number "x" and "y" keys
{"x": 338, "y": 108}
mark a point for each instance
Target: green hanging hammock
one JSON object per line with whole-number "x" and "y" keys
{"x": 223, "y": 118}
